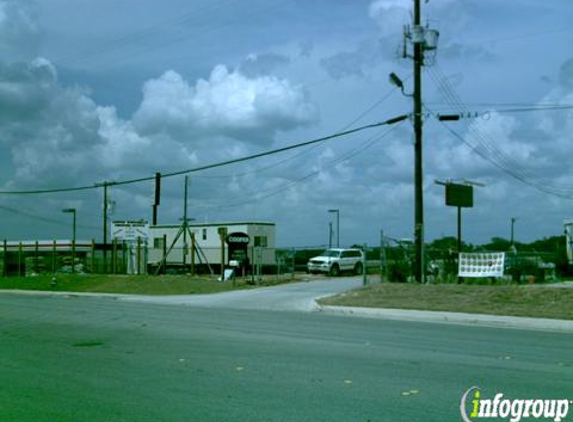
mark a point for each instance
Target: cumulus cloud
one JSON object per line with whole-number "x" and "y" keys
{"x": 58, "y": 135}
{"x": 228, "y": 103}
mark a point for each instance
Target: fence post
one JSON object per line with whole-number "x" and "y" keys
{"x": 93, "y": 257}
{"x": 164, "y": 254}
{"x": 293, "y": 263}
{"x": 36, "y": 258}
{"x": 20, "y": 259}
{"x": 125, "y": 254}
{"x": 383, "y": 261}
{"x": 138, "y": 256}
{"x": 5, "y": 269}
{"x": 54, "y": 257}
{"x": 193, "y": 246}
{"x": 114, "y": 256}
{"x": 73, "y": 256}
{"x": 364, "y": 272}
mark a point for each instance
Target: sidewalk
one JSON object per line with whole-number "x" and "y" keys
{"x": 497, "y": 321}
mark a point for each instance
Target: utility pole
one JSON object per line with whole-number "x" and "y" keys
{"x": 337, "y": 212}
{"x": 156, "y": 197}
{"x": 105, "y": 184}
{"x": 513, "y": 219}
{"x": 418, "y": 175}
{"x": 105, "y": 205}
{"x": 185, "y": 246}
{"x": 422, "y": 39}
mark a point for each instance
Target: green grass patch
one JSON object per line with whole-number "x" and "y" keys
{"x": 540, "y": 301}
{"x": 127, "y": 284}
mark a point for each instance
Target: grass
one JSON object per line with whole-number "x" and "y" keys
{"x": 517, "y": 300}
{"x": 126, "y": 284}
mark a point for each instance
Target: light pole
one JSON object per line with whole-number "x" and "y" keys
{"x": 513, "y": 220}
{"x": 73, "y": 212}
{"x": 337, "y": 211}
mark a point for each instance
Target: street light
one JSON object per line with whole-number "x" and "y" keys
{"x": 72, "y": 211}
{"x": 513, "y": 220}
{"x": 337, "y": 226}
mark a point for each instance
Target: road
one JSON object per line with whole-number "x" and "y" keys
{"x": 101, "y": 359}
{"x": 284, "y": 297}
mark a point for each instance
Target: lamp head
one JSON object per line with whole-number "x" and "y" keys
{"x": 395, "y": 80}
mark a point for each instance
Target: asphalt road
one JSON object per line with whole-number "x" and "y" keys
{"x": 283, "y": 297}
{"x": 99, "y": 359}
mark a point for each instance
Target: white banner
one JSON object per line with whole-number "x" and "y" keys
{"x": 481, "y": 264}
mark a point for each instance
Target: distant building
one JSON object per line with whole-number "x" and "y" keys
{"x": 260, "y": 249}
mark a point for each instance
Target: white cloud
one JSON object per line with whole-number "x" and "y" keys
{"x": 18, "y": 30}
{"x": 228, "y": 104}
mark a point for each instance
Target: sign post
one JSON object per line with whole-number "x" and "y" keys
{"x": 132, "y": 234}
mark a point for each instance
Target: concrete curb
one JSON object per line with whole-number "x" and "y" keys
{"x": 483, "y": 320}
{"x": 47, "y": 293}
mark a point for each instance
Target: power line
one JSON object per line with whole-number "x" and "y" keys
{"x": 539, "y": 186}
{"x": 487, "y": 148}
{"x": 517, "y": 108}
{"x": 197, "y": 15}
{"x": 345, "y": 127}
{"x": 39, "y": 217}
{"x": 214, "y": 165}
{"x": 276, "y": 190}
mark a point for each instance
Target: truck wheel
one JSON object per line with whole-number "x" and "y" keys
{"x": 358, "y": 269}
{"x": 334, "y": 271}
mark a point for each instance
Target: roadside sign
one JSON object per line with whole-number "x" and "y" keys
{"x": 130, "y": 230}
{"x": 486, "y": 264}
{"x": 459, "y": 195}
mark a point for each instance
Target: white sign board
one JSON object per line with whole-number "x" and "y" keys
{"x": 130, "y": 230}
{"x": 481, "y": 264}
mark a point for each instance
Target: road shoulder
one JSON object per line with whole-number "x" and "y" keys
{"x": 526, "y": 323}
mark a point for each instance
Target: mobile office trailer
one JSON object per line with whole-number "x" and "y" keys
{"x": 260, "y": 249}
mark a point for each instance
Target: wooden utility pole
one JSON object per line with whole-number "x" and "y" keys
{"x": 419, "y": 271}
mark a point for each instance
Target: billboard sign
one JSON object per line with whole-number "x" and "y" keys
{"x": 459, "y": 195}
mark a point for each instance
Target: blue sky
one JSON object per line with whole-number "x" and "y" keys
{"x": 120, "y": 89}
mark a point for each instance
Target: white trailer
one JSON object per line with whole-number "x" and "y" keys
{"x": 162, "y": 238}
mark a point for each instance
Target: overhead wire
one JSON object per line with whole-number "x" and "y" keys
{"x": 358, "y": 118}
{"x": 146, "y": 49}
{"x": 486, "y": 147}
{"x": 197, "y": 14}
{"x": 256, "y": 196}
{"x": 213, "y": 165}
{"x": 21, "y": 212}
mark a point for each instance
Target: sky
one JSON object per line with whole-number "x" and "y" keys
{"x": 117, "y": 90}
